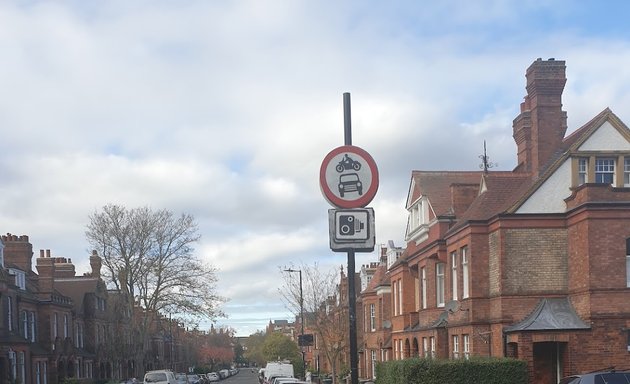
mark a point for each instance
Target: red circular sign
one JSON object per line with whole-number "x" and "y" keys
{"x": 348, "y": 177}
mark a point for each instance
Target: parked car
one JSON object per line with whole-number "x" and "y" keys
{"x": 193, "y": 379}
{"x": 181, "y": 378}
{"x": 224, "y": 373}
{"x": 213, "y": 376}
{"x": 599, "y": 377}
{"x": 162, "y": 376}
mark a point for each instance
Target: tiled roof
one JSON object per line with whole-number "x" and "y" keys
{"x": 435, "y": 185}
{"x": 379, "y": 278}
{"x": 501, "y": 190}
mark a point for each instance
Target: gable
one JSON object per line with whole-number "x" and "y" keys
{"x": 605, "y": 138}
{"x": 549, "y": 197}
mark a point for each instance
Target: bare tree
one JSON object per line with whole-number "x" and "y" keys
{"x": 148, "y": 256}
{"x": 321, "y": 308}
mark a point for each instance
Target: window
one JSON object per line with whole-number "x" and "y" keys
{"x": 466, "y": 346}
{"x": 24, "y": 321}
{"x": 439, "y": 284}
{"x": 20, "y": 277}
{"x": 454, "y": 274}
{"x": 10, "y": 313}
{"x": 373, "y": 355}
{"x": 32, "y": 324}
{"x": 54, "y": 325}
{"x": 395, "y": 297}
{"x": 626, "y": 174}
{"x": 400, "y": 297}
{"x": 582, "y": 170}
{"x": 465, "y": 274}
{"x": 13, "y": 365}
{"x": 21, "y": 368}
{"x": 456, "y": 346}
{"x": 372, "y": 318}
{"x": 432, "y": 344}
{"x": 605, "y": 170}
{"x": 425, "y": 347}
{"x": 423, "y": 274}
{"x": 66, "y": 324}
{"x": 628, "y": 262}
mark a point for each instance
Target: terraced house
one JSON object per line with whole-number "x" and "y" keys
{"x": 56, "y": 325}
{"x": 532, "y": 263}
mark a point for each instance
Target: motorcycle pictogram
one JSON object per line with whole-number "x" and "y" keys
{"x": 348, "y": 163}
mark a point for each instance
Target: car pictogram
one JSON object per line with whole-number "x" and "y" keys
{"x": 350, "y": 182}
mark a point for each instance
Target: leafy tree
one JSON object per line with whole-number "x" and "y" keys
{"x": 254, "y": 345}
{"x": 322, "y": 313}
{"x": 280, "y": 347}
{"x": 148, "y": 256}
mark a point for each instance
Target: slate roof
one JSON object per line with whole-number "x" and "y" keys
{"x": 76, "y": 289}
{"x": 551, "y": 314}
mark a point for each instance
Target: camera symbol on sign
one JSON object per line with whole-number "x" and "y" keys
{"x": 349, "y": 226}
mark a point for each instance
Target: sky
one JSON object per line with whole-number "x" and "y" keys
{"x": 225, "y": 110}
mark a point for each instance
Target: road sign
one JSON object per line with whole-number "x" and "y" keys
{"x": 351, "y": 229}
{"x": 348, "y": 177}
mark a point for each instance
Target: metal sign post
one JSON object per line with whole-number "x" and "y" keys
{"x": 349, "y": 180}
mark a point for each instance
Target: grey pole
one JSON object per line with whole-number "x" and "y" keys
{"x": 354, "y": 363}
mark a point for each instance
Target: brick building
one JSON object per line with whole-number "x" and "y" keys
{"x": 56, "y": 325}
{"x": 532, "y": 263}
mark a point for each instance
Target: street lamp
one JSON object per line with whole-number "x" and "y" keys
{"x": 301, "y": 321}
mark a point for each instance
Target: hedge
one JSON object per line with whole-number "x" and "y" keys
{"x": 460, "y": 371}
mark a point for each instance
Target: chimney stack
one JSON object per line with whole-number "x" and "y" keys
{"x": 95, "y": 263}
{"x": 46, "y": 270}
{"x": 540, "y": 127}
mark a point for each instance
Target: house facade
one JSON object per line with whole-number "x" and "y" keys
{"x": 533, "y": 263}
{"x": 56, "y": 325}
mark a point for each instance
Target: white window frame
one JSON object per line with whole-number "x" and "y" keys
{"x": 400, "y": 297}
{"x": 455, "y": 346}
{"x": 372, "y": 317}
{"x": 605, "y": 166}
{"x": 373, "y": 358}
{"x": 466, "y": 340}
{"x": 439, "y": 285}
{"x": 465, "y": 274}
{"x": 423, "y": 282}
{"x": 20, "y": 278}
{"x": 582, "y": 170}
{"x": 628, "y": 262}
{"x": 425, "y": 347}
{"x": 432, "y": 345}
{"x": 454, "y": 275}
{"x": 626, "y": 171}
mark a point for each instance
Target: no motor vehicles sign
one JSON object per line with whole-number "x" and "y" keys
{"x": 348, "y": 177}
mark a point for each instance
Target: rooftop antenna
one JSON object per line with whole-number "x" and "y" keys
{"x": 485, "y": 160}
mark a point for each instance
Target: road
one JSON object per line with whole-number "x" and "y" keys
{"x": 245, "y": 376}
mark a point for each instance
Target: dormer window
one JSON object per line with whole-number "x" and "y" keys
{"x": 20, "y": 277}
{"x": 418, "y": 220}
{"x": 626, "y": 172}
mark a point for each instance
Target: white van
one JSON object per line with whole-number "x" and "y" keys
{"x": 278, "y": 369}
{"x": 162, "y": 376}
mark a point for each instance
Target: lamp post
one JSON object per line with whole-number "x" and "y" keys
{"x": 301, "y": 321}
